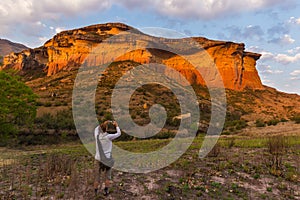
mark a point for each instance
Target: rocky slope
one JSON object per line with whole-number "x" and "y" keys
{"x": 67, "y": 51}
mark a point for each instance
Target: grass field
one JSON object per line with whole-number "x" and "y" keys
{"x": 237, "y": 168}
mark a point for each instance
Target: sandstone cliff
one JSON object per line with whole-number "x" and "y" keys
{"x": 68, "y": 49}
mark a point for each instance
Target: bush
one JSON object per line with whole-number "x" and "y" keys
{"x": 57, "y": 104}
{"x": 63, "y": 120}
{"x": 39, "y": 103}
{"x": 108, "y": 116}
{"x": 235, "y": 125}
{"x": 296, "y": 119}
{"x": 225, "y": 133}
{"x": 48, "y": 104}
{"x": 260, "y": 123}
{"x": 283, "y": 120}
{"x": 273, "y": 122}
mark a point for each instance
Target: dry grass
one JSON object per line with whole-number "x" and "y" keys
{"x": 55, "y": 176}
{"x": 284, "y": 128}
{"x": 238, "y": 169}
{"x": 277, "y": 149}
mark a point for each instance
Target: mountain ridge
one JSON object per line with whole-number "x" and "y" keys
{"x": 51, "y": 70}
{"x": 68, "y": 49}
{"x": 7, "y": 46}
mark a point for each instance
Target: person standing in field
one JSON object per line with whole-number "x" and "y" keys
{"x": 103, "y": 156}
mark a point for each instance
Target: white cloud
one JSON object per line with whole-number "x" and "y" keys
{"x": 283, "y": 40}
{"x": 287, "y": 59}
{"x": 196, "y": 9}
{"x": 39, "y": 23}
{"x": 254, "y": 32}
{"x": 294, "y": 78}
{"x": 266, "y": 55}
{"x": 30, "y": 10}
{"x": 278, "y": 29}
{"x": 263, "y": 67}
{"x": 280, "y": 58}
{"x": 287, "y": 39}
{"x": 236, "y": 33}
{"x": 59, "y": 29}
{"x": 267, "y": 82}
{"x": 19, "y": 16}
{"x": 294, "y": 50}
{"x": 295, "y": 73}
{"x": 254, "y": 49}
{"x": 294, "y": 20}
{"x": 269, "y": 71}
{"x": 22, "y": 12}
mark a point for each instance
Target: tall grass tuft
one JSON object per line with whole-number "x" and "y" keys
{"x": 277, "y": 147}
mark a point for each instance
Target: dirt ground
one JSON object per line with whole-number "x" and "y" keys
{"x": 237, "y": 168}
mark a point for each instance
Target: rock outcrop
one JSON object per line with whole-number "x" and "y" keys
{"x": 69, "y": 49}
{"x": 28, "y": 59}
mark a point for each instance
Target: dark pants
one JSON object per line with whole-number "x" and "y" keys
{"x": 99, "y": 170}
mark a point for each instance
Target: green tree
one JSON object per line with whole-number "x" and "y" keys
{"x": 17, "y": 104}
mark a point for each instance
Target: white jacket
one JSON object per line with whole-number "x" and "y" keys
{"x": 106, "y": 142}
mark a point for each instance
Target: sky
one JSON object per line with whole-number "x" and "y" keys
{"x": 269, "y": 27}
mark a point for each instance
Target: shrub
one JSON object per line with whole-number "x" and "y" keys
{"x": 57, "y": 104}
{"x": 48, "y": 104}
{"x": 283, "y": 120}
{"x": 108, "y": 116}
{"x": 273, "y": 122}
{"x": 63, "y": 120}
{"x": 260, "y": 123}
{"x": 238, "y": 127}
{"x": 235, "y": 125}
{"x": 225, "y": 133}
{"x": 39, "y": 103}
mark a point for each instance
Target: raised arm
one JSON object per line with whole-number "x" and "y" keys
{"x": 116, "y": 135}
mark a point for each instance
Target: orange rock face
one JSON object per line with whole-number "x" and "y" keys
{"x": 69, "y": 49}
